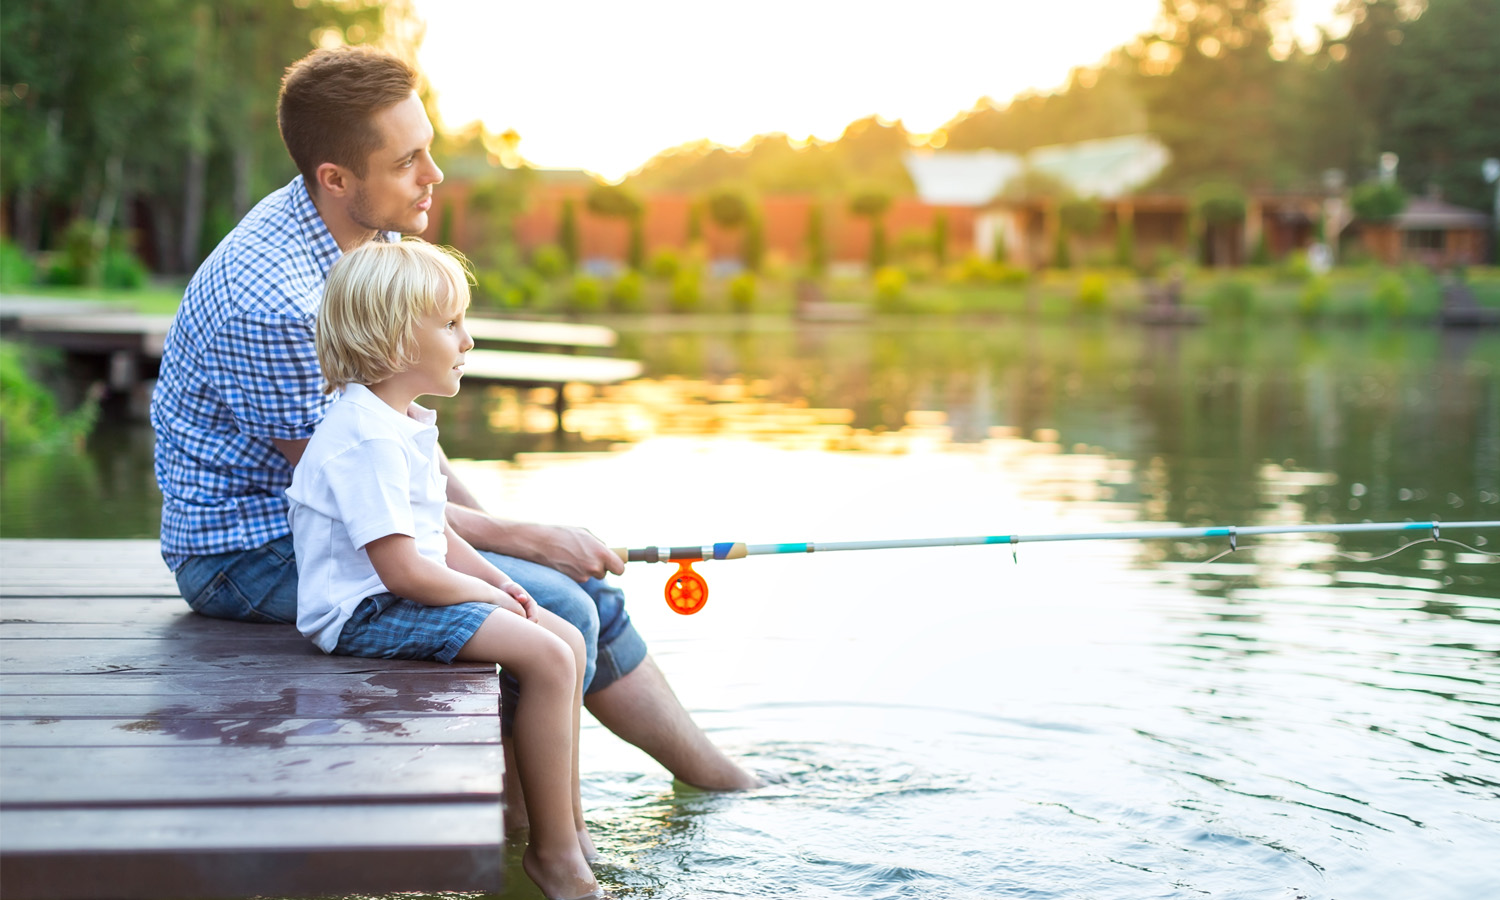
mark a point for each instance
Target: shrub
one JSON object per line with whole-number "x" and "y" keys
{"x": 29, "y": 417}
{"x": 1295, "y": 268}
{"x": 1313, "y": 301}
{"x": 123, "y": 269}
{"x": 1392, "y": 296}
{"x": 1234, "y": 297}
{"x": 890, "y": 289}
{"x": 665, "y": 264}
{"x": 1377, "y": 201}
{"x": 1093, "y": 294}
{"x": 587, "y": 295}
{"x": 627, "y": 294}
{"x": 742, "y": 292}
{"x": 16, "y": 268}
{"x": 686, "y": 294}
{"x": 549, "y": 261}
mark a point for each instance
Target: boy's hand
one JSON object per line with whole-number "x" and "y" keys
{"x": 514, "y": 598}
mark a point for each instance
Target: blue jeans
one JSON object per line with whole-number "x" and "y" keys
{"x": 260, "y": 585}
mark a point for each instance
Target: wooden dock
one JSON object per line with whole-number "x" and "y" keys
{"x": 149, "y": 752}
{"x": 122, "y": 349}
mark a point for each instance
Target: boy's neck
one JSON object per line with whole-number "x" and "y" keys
{"x": 394, "y": 394}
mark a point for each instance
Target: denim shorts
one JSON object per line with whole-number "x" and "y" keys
{"x": 385, "y": 626}
{"x": 260, "y": 585}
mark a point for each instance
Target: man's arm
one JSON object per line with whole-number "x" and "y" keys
{"x": 573, "y": 551}
{"x": 407, "y": 573}
{"x": 292, "y": 450}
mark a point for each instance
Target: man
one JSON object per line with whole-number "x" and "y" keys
{"x": 240, "y": 392}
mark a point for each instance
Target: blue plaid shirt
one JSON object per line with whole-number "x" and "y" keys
{"x": 238, "y": 369}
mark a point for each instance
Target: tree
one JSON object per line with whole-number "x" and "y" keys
{"x": 817, "y": 241}
{"x": 567, "y": 233}
{"x": 1444, "y": 97}
{"x": 871, "y": 205}
{"x": 940, "y": 238}
{"x": 1377, "y": 200}
{"x": 728, "y": 209}
{"x": 1210, "y": 87}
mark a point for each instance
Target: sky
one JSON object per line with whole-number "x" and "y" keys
{"x": 605, "y": 85}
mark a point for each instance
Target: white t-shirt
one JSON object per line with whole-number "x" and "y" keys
{"x": 367, "y": 472}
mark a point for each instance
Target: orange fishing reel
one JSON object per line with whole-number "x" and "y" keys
{"x": 686, "y": 590}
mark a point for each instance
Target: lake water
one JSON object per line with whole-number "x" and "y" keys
{"x": 1099, "y": 720}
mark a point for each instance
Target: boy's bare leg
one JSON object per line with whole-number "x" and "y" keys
{"x": 546, "y": 666}
{"x": 641, "y": 708}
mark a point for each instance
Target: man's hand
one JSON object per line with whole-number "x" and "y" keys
{"x": 575, "y": 552}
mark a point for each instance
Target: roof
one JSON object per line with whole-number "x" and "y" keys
{"x": 1104, "y": 168}
{"x": 1431, "y": 213}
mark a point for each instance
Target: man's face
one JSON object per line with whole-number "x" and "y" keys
{"x": 396, "y": 191}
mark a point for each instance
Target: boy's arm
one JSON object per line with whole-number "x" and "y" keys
{"x": 465, "y": 559}
{"x": 407, "y": 573}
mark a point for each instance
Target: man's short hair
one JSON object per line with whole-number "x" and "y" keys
{"x": 328, "y": 102}
{"x": 375, "y": 297}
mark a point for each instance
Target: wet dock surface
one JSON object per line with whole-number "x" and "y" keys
{"x": 147, "y": 751}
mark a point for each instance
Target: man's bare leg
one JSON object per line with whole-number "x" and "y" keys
{"x": 642, "y": 709}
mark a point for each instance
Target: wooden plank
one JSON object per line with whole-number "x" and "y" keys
{"x": 510, "y": 367}
{"x": 152, "y": 752}
{"x": 37, "y": 777}
{"x": 144, "y": 333}
{"x": 413, "y": 683}
{"x": 541, "y": 334}
{"x": 146, "y": 854}
{"x": 175, "y": 727}
{"x": 417, "y": 704}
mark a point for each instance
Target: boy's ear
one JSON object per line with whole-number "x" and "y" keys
{"x": 333, "y": 180}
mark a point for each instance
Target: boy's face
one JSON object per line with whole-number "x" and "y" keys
{"x": 396, "y": 190}
{"x": 442, "y": 342}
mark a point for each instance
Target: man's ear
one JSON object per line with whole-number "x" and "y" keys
{"x": 333, "y": 179}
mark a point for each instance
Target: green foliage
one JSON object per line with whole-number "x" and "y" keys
{"x": 550, "y": 261}
{"x": 1125, "y": 244}
{"x": 567, "y": 239}
{"x": 1443, "y": 91}
{"x": 1377, "y": 201}
{"x": 753, "y": 247}
{"x": 1392, "y": 296}
{"x": 612, "y": 202}
{"x": 817, "y": 241}
{"x": 890, "y": 289}
{"x": 586, "y": 294}
{"x": 999, "y": 252}
{"x": 940, "y": 238}
{"x": 742, "y": 288}
{"x": 1295, "y": 268}
{"x": 728, "y": 209}
{"x": 30, "y": 420}
{"x": 628, "y": 293}
{"x": 1093, "y": 294}
{"x": 1233, "y": 297}
{"x": 635, "y": 250}
{"x": 665, "y": 264}
{"x": 1314, "y": 298}
{"x": 1219, "y": 203}
{"x": 686, "y": 294}
{"x": 122, "y": 269}
{"x": 1081, "y": 215}
{"x": 16, "y": 268}
{"x": 1034, "y": 184}
{"x": 1062, "y": 254}
{"x": 1261, "y": 254}
{"x": 870, "y": 204}
{"x": 879, "y": 253}
{"x": 695, "y": 223}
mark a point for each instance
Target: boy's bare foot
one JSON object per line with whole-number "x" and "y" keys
{"x": 564, "y": 877}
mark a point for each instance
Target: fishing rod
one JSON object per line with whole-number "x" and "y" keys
{"x": 687, "y": 592}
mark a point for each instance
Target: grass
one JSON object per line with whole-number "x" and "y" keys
{"x": 162, "y": 298}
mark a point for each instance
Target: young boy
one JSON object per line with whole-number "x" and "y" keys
{"x": 382, "y": 574}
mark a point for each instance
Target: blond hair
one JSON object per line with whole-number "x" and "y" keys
{"x": 375, "y": 297}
